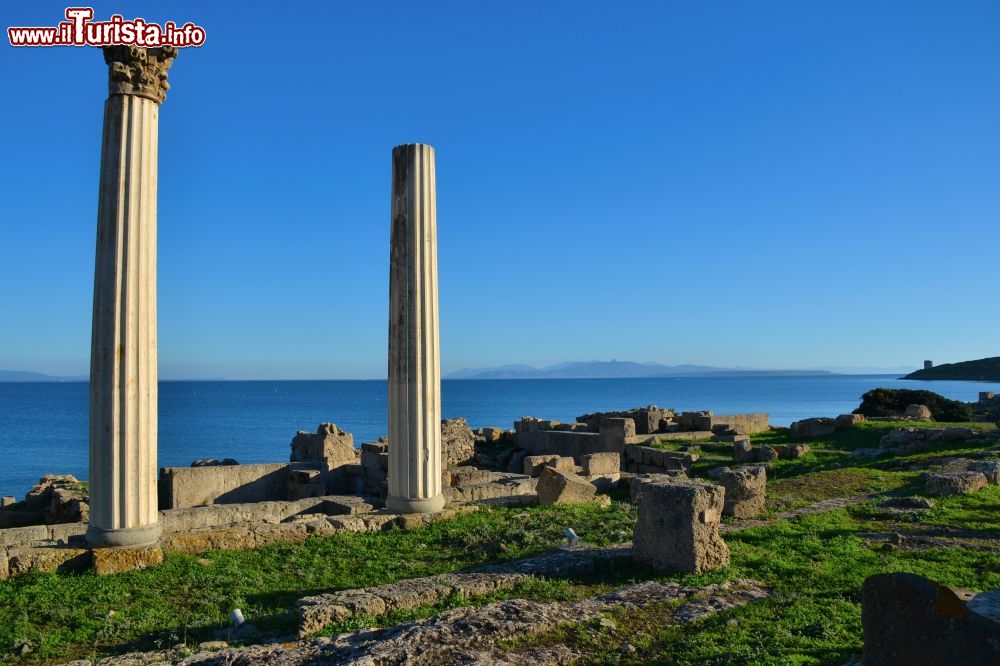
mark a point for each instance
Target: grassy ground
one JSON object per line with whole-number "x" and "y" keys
{"x": 815, "y": 564}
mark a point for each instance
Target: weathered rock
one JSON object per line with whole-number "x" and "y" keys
{"x": 957, "y": 434}
{"x": 867, "y": 453}
{"x": 516, "y": 464}
{"x": 601, "y": 464}
{"x": 60, "y": 497}
{"x": 318, "y": 611}
{"x": 533, "y": 464}
{"x": 678, "y": 527}
{"x": 214, "y": 462}
{"x": 845, "y": 421}
{"x": 636, "y": 483}
{"x": 919, "y": 413}
{"x": 458, "y": 442}
{"x": 908, "y": 619}
{"x": 745, "y": 487}
{"x": 118, "y": 560}
{"x": 791, "y": 451}
{"x": 989, "y": 468}
{"x": 813, "y": 428}
{"x": 955, "y": 483}
{"x": 910, "y": 503}
{"x": 742, "y": 450}
{"x": 766, "y": 453}
{"x": 23, "y": 560}
{"x": 328, "y": 444}
{"x": 559, "y": 487}
{"x": 466, "y": 476}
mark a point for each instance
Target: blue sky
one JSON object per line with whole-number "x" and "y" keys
{"x": 766, "y": 184}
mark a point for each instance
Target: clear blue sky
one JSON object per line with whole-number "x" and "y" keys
{"x": 767, "y": 184}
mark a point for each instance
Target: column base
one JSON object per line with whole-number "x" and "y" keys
{"x": 100, "y": 537}
{"x": 407, "y": 505}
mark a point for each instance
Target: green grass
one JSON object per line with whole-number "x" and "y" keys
{"x": 815, "y": 565}
{"x": 61, "y": 615}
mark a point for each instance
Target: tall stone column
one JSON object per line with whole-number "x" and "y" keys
{"x": 414, "y": 344}
{"x": 123, "y": 390}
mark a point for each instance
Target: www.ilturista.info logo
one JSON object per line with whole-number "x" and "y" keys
{"x": 80, "y": 30}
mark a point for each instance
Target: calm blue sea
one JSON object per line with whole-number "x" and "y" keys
{"x": 43, "y": 426}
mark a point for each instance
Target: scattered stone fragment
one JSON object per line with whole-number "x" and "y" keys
{"x": 845, "y": 421}
{"x": 678, "y": 526}
{"x": 601, "y": 464}
{"x": 458, "y": 442}
{"x": 742, "y": 450}
{"x": 989, "y": 468}
{"x": 908, "y": 619}
{"x": 328, "y": 444}
{"x": 559, "y": 487}
{"x": 533, "y": 464}
{"x": 792, "y": 451}
{"x": 767, "y": 453}
{"x": 745, "y": 487}
{"x": 907, "y": 503}
{"x": 955, "y": 483}
{"x": 812, "y": 428}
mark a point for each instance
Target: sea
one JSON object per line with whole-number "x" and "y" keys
{"x": 43, "y": 426}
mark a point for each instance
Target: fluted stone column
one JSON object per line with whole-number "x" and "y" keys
{"x": 123, "y": 390}
{"x": 414, "y": 345}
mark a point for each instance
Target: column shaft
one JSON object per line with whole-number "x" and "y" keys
{"x": 414, "y": 344}
{"x": 123, "y": 361}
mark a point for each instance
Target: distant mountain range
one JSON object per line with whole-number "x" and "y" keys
{"x": 616, "y": 370}
{"x": 25, "y": 376}
{"x": 981, "y": 370}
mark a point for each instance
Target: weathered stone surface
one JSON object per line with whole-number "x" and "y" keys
{"x": 678, "y": 527}
{"x": 813, "y": 428}
{"x": 533, "y": 465}
{"x": 743, "y": 450}
{"x": 467, "y": 476}
{"x": 214, "y": 462}
{"x": 745, "y": 487}
{"x": 636, "y": 482}
{"x": 458, "y": 443}
{"x": 601, "y": 464}
{"x": 316, "y": 612}
{"x": 908, "y": 619}
{"x": 955, "y": 483}
{"x": 907, "y": 503}
{"x": 118, "y": 560}
{"x": 647, "y": 420}
{"x": 989, "y": 468}
{"x": 22, "y": 560}
{"x": 766, "y": 453}
{"x": 182, "y": 487}
{"x": 919, "y": 412}
{"x": 506, "y": 486}
{"x": 791, "y": 451}
{"x": 649, "y": 460}
{"x": 245, "y": 536}
{"x": 957, "y": 434}
{"x": 845, "y": 421}
{"x": 329, "y": 444}
{"x": 558, "y": 487}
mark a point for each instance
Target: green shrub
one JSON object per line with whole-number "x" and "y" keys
{"x": 893, "y": 402}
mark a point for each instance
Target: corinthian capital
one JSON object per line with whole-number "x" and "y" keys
{"x": 134, "y": 70}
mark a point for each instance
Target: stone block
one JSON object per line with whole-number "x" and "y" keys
{"x": 955, "y": 483}
{"x": 745, "y": 487}
{"x": 742, "y": 450}
{"x": 766, "y": 453}
{"x": 792, "y": 451}
{"x": 467, "y": 476}
{"x": 845, "y": 421}
{"x": 558, "y": 487}
{"x": 533, "y": 464}
{"x": 813, "y": 428}
{"x": 118, "y": 560}
{"x": 601, "y": 464}
{"x": 908, "y": 619}
{"x": 183, "y": 487}
{"x": 635, "y": 483}
{"x": 329, "y": 444}
{"x": 46, "y": 558}
{"x": 988, "y": 468}
{"x": 678, "y": 527}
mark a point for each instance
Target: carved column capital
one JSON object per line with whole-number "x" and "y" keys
{"x": 134, "y": 70}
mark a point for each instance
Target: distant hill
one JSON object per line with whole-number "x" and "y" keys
{"x": 983, "y": 370}
{"x": 614, "y": 370}
{"x": 25, "y": 376}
